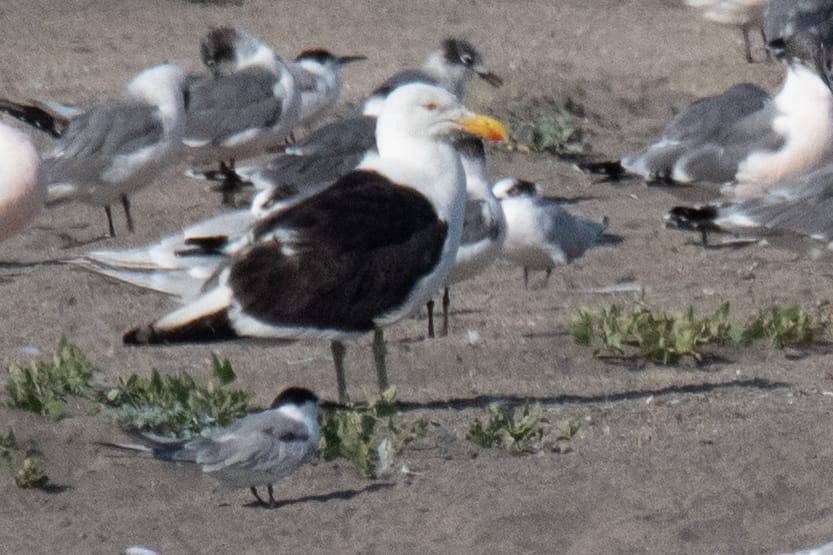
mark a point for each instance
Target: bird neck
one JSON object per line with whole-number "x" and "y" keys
{"x": 803, "y": 90}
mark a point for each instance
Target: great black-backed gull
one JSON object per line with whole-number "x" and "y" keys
{"x": 359, "y": 255}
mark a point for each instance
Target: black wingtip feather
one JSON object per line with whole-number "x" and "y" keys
{"x": 212, "y": 328}
{"x": 38, "y": 118}
{"x": 695, "y": 218}
{"x": 611, "y": 168}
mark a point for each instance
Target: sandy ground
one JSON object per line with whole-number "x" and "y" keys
{"x": 730, "y": 457}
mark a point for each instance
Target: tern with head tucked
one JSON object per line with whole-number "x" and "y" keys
{"x": 115, "y": 148}
{"x": 248, "y": 104}
{"x": 257, "y": 450}
{"x": 744, "y": 138}
{"x": 360, "y": 255}
{"x": 540, "y": 233}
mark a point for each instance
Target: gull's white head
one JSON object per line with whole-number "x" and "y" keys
{"x": 427, "y": 112}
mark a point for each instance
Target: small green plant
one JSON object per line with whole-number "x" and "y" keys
{"x": 176, "y": 404}
{"x": 783, "y": 326}
{"x": 664, "y": 338}
{"x": 364, "y": 432}
{"x": 656, "y": 335}
{"x": 566, "y": 431}
{"x": 515, "y": 430}
{"x": 25, "y": 464}
{"x": 544, "y": 126}
{"x": 43, "y": 386}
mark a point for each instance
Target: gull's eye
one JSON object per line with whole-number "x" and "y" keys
{"x": 430, "y": 106}
{"x": 467, "y": 59}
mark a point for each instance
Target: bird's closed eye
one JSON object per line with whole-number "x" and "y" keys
{"x": 430, "y": 106}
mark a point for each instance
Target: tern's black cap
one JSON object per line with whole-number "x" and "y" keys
{"x": 294, "y": 396}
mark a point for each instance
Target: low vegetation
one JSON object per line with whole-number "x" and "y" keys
{"x": 664, "y": 338}
{"x": 518, "y": 430}
{"x": 43, "y": 386}
{"x": 368, "y": 434}
{"x": 544, "y": 126}
{"x": 176, "y": 404}
{"x": 24, "y": 462}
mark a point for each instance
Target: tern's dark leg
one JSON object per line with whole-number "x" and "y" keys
{"x": 125, "y": 202}
{"x": 230, "y": 184}
{"x": 763, "y": 38}
{"x": 110, "y": 221}
{"x": 430, "y": 307}
{"x": 271, "y": 496}
{"x": 446, "y": 303}
{"x": 526, "y": 277}
{"x": 257, "y": 496}
{"x": 547, "y": 277}
{"x": 379, "y": 353}
{"x": 747, "y": 50}
{"x": 338, "y": 350}
{"x": 704, "y": 236}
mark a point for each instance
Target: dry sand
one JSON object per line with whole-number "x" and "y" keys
{"x": 730, "y": 457}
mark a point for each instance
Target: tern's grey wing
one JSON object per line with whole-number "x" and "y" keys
{"x": 570, "y": 234}
{"x": 257, "y": 442}
{"x": 219, "y": 108}
{"x": 801, "y": 205}
{"x": 322, "y": 156}
{"x": 785, "y": 18}
{"x": 96, "y": 137}
{"x": 345, "y": 136}
{"x": 304, "y": 171}
{"x": 110, "y": 130}
{"x": 717, "y": 160}
{"x": 701, "y": 131}
{"x": 707, "y": 117}
{"x": 479, "y": 222}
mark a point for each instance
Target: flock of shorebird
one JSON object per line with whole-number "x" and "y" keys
{"x": 351, "y": 228}
{"x": 359, "y": 222}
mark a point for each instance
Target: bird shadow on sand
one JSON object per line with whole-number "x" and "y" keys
{"x": 343, "y": 495}
{"x": 512, "y": 401}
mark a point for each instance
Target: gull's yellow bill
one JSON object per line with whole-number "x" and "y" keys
{"x": 482, "y": 126}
